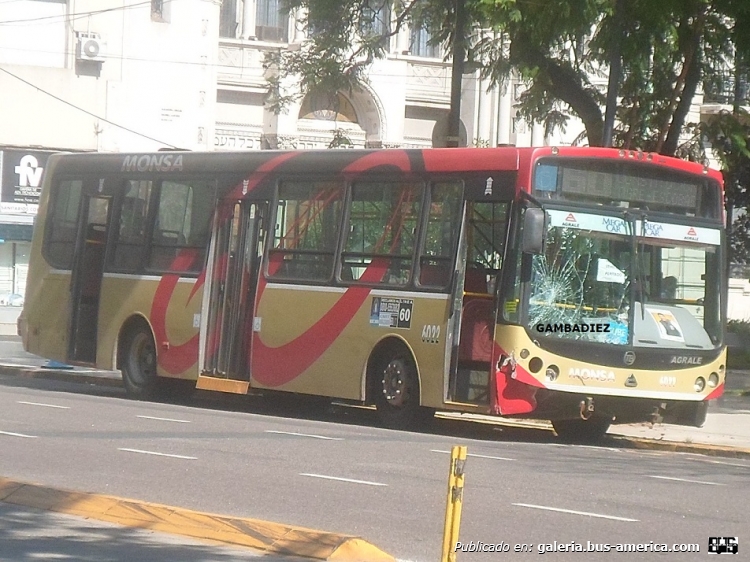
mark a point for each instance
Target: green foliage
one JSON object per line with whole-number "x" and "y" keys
{"x": 739, "y": 358}
{"x": 739, "y": 327}
{"x": 561, "y": 48}
{"x": 729, "y": 136}
{"x": 340, "y": 140}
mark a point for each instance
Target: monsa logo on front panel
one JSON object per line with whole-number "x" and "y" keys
{"x": 584, "y": 374}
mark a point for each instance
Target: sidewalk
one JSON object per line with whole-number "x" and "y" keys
{"x": 725, "y": 433}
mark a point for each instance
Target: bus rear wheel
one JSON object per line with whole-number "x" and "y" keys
{"x": 397, "y": 393}
{"x": 582, "y": 431}
{"x": 139, "y": 364}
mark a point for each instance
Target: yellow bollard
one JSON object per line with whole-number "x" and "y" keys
{"x": 454, "y": 504}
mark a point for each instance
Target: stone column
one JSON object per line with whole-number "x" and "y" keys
{"x": 504, "y": 124}
{"x": 248, "y": 19}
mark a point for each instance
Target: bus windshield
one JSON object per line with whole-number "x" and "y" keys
{"x": 622, "y": 281}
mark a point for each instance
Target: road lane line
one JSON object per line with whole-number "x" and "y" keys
{"x": 305, "y": 435}
{"x": 721, "y": 462}
{"x": 163, "y": 419}
{"x": 474, "y": 455}
{"x": 586, "y": 513}
{"x": 157, "y": 454}
{"x": 342, "y": 479}
{"x": 45, "y": 405}
{"x": 17, "y": 434}
{"x": 686, "y": 480}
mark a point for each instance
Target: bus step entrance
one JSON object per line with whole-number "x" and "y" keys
{"x": 472, "y": 382}
{"x": 231, "y": 386}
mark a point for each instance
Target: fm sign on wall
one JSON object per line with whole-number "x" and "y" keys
{"x": 21, "y": 179}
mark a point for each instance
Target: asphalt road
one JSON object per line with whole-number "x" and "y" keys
{"x": 341, "y": 473}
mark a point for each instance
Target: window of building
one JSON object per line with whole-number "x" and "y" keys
{"x": 161, "y": 10}
{"x": 376, "y": 17}
{"x": 131, "y": 233}
{"x": 63, "y": 224}
{"x": 228, "y": 19}
{"x": 272, "y": 21}
{"x": 419, "y": 44}
{"x": 306, "y": 227}
{"x": 381, "y": 232}
{"x": 183, "y": 222}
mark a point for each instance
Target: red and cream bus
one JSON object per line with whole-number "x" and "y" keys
{"x": 584, "y": 286}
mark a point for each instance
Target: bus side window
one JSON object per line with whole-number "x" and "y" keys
{"x": 380, "y": 235}
{"x": 183, "y": 215}
{"x": 131, "y": 234}
{"x": 62, "y": 223}
{"x": 307, "y": 218}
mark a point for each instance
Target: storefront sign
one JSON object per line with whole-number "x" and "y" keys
{"x": 21, "y": 177}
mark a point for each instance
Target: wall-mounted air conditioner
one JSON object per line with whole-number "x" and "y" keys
{"x": 90, "y": 47}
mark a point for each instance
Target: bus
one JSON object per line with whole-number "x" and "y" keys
{"x": 584, "y": 286}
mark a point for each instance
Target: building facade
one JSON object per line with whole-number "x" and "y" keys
{"x": 122, "y": 75}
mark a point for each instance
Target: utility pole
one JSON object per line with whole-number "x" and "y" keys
{"x": 457, "y": 73}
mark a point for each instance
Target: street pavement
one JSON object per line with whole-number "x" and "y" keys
{"x": 725, "y": 433}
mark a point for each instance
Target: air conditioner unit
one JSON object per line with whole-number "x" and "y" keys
{"x": 90, "y": 47}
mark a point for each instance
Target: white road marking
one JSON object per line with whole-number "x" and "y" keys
{"x": 342, "y": 479}
{"x": 721, "y": 462}
{"x": 157, "y": 454}
{"x": 305, "y": 435}
{"x": 17, "y": 434}
{"x": 586, "y": 513}
{"x": 686, "y": 480}
{"x": 473, "y": 455}
{"x": 163, "y": 419}
{"x": 45, "y": 405}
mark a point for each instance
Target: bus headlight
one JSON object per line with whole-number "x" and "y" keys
{"x": 552, "y": 373}
{"x": 700, "y": 384}
{"x": 713, "y": 380}
{"x": 535, "y": 364}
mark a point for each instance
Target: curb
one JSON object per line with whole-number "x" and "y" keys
{"x": 79, "y": 377}
{"x": 270, "y": 538}
{"x": 678, "y": 447}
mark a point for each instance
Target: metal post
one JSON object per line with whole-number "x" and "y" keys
{"x": 454, "y": 503}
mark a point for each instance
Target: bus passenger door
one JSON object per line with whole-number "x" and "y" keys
{"x": 480, "y": 253}
{"x": 86, "y": 283}
{"x": 229, "y": 296}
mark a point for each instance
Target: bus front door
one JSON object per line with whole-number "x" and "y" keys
{"x": 87, "y": 279}
{"x": 229, "y": 297}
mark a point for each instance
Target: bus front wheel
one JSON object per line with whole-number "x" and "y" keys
{"x": 139, "y": 364}
{"x": 397, "y": 393}
{"x": 582, "y": 431}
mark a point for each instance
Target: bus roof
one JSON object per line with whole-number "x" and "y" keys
{"x": 354, "y": 161}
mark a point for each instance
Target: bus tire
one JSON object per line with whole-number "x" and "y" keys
{"x": 138, "y": 364}
{"x": 396, "y": 387}
{"x": 582, "y": 431}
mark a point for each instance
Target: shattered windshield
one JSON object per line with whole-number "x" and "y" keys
{"x": 593, "y": 283}
{"x": 579, "y": 286}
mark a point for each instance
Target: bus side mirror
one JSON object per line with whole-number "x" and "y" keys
{"x": 534, "y": 231}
